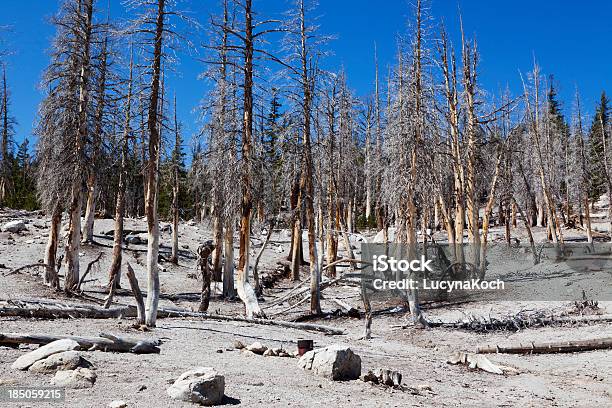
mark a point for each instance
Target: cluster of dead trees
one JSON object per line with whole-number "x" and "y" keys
{"x": 286, "y": 144}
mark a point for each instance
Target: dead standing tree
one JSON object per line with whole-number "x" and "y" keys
{"x": 302, "y": 63}
{"x": 62, "y": 131}
{"x": 96, "y": 137}
{"x": 150, "y": 26}
{"x": 246, "y": 39}
{"x": 74, "y": 208}
{"x": 115, "y": 268}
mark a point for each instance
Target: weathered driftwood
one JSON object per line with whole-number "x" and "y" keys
{"x": 61, "y": 312}
{"x": 106, "y": 342}
{"x": 518, "y": 322}
{"x": 21, "y": 268}
{"x": 268, "y": 322}
{"x": 295, "y": 292}
{"x": 48, "y": 309}
{"x": 552, "y": 347}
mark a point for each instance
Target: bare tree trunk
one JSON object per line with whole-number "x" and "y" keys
{"x": 587, "y": 215}
{"x": 175, "y": 189}
{"x": 486, "y": 219}
{"x": 152, "y": 176}
{"x": 114, "y": 275}
{"x": 245, "y": 290}
{"x": 204, "y": 252}
{"x": 73, "y": 239}
{"x": 228, "y": 264}
{"x": 51, "y": 277}
{"x": 218, "y": 243}
{"x": 88, "y": 227}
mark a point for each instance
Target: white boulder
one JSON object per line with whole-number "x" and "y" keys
{"x": 202, "y": 385}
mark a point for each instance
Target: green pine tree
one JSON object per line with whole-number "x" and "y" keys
{"x": 597, "y": 136}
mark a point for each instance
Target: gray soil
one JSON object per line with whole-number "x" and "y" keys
{"x": 549, "y": 380}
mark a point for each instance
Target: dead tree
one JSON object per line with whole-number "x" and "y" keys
{"x": 62, "y": 131}
{"x": 100, "y": 100}
{"x": 115, "y": 268}
{"x": 151, "y": 26}
{"x": 176, "y": 159}
{"x": 73, "y": 239}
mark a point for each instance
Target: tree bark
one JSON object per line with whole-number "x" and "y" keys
{"x": 51, "y": 277}
{"x": 204, "y": 252}
{"x": 152, "y": 176}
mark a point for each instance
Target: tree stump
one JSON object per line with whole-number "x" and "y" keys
{"x": 204, "y": 252}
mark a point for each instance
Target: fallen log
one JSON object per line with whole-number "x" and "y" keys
{"x": 62, "y": 312}
{"x": 48, "y": 309}
{"x": 517, "y": 322}
{"x": 106, "y": 342}
{"x": 166, "y": 312}
{"x": 21, "y": 268}
{"x": 552, "y": 347}
{"x": 295, "y": 293}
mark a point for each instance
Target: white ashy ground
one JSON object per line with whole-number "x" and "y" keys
{"x": 555, "y": 380}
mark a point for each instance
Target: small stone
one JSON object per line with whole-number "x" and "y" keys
{"x": 79, "y": 378}
{"x": 257, "y": 348}
{"x": 238, "y": 344}
{"x": 269, "y": 353}
{"x": 219, "y": 350}
{"x": 14, "y": 226}
{"x": 118, "y": 404}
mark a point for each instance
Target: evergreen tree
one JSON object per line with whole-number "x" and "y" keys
{"x": 599, "y": 144}
{"x": 6, "y": 141}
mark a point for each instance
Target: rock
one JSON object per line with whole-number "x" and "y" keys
{"x": 118, "y": 404}
{"x": 269, "y": 353}
{"x": 136, "y": 239}
{"x": 257, "y": 348}
{"x": 14, "y": 226}
{"x": 192, "y": 223}
{"x": 66, "y": 360}
{"x": 283, "y": 353}
{"x": 25, "y": 361}
{"x": 79, "y": 378}
{"x": 336, "y": 362}
{"x": 247, "y": 353}
{"x": 202, "y": 385}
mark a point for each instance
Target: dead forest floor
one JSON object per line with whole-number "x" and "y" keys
{"x": 547, "y": 380}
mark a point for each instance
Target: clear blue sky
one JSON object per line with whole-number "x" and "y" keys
{"x": 570, "y": 39}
